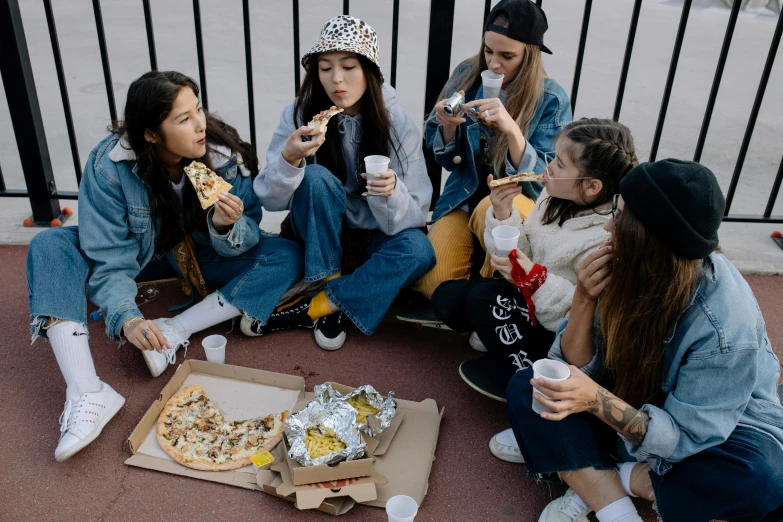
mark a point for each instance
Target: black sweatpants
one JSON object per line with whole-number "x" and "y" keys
{"x": 498, "y": 313}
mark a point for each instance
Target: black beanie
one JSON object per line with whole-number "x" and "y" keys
{"x": 679, "y": 202}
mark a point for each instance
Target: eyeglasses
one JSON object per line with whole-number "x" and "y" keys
{"x": 548, "y": 158}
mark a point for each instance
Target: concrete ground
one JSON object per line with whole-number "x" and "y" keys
{"x": 466, "y": 484}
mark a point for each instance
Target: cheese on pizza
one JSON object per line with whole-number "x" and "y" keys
{"x": 208, "y": 185}
{"x": 193, "y": 431}
{"x": 321, "y": 119}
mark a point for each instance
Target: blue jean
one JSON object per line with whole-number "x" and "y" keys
{"x": 254, "y": 282}
{"x": 390, "y": 262}
{"x": 740, "y": 480}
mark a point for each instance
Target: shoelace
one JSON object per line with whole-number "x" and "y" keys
{"x": 64, "y": 416}
{"x": 573, "y": 505}
{"x": 171, "y": 354}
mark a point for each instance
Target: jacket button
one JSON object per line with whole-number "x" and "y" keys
{"x": 457, "y": 160}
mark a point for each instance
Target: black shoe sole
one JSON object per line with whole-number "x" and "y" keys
{"x": 478, "y": 389}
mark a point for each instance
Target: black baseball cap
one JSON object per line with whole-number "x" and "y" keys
{"x": 526, "y": 22}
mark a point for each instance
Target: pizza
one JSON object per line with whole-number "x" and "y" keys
{"x": 193, "y": 431}
{"x": 208, "y": 185}
{"x": 516, "y": 178}
{"x": 321, "y": 119}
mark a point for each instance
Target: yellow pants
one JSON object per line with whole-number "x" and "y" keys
{"x": 451, "y": 238}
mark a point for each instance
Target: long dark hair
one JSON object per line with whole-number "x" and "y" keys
{"x": 601, "y": 149}
{"x": 378, "y": 135}
{"x": 650, "y": 290}
{"x": 149, "y": 102}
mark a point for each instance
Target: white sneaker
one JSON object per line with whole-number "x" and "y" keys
{"x": 157, "y": 362}
{"x": 568, "y": 508}
{"x": 82, "y": 421}
{"x": 504, "y": 446}
{"x": 476, "y": 343}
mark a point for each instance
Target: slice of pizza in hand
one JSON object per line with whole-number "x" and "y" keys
{"x": 517, "y": 178}
{"x": 320, "y": 120}
{"x": 193, "y": 431}
{"x": 209, "y": 186}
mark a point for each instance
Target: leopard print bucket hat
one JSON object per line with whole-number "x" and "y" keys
{"x": 347, "y": 33}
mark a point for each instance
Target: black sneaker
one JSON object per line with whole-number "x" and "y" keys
{"x": 485, "y": 376}
{"x": 292, "y": 314}
{"x": 330, "y": 331}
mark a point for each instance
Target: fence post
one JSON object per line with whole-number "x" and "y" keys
{"x": 17, "y": 73}
{"x": 438, "y": 58}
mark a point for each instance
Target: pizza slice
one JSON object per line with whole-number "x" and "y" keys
{"x": 208, "y": 185}
{"x": 321, "y": 119}
{"x": 193, "y": 431}
{"x": 517, "y": 178}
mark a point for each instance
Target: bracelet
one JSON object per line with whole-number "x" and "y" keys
{"x": 132, "y": 320}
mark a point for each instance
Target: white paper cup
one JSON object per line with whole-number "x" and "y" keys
{"x": 375, "y": 165}
{"x": 401, "y": 508}
{"x": 506, "y": 239}
{"x": 492, "y": 83}
{"x": 215, "y": 348}
{"x": 551, "y": 370}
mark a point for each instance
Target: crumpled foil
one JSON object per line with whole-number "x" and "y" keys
{"x": 336, "y": 415}
{"x": 375, "y": 423}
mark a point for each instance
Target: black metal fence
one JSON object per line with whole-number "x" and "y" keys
{"x": 28, "y": 128}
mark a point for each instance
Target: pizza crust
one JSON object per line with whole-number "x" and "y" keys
{"x": 271, "y": 436}
{"x": 197, "y": 171}
{"x": 516, "y": 178}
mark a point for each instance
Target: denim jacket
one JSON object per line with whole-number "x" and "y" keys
{"x": 462, "y": 154}
{"x": 117, "y": 230}
{"x": 719, "y": 372}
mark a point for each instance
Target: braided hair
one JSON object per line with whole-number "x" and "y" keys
{"x": 600, "y": 149}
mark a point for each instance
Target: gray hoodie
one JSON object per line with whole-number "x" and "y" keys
{"x": 408, "y": 205}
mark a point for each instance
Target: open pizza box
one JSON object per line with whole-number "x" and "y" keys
{"x": 401, "y": 460}
{"x": 241, "y": 393}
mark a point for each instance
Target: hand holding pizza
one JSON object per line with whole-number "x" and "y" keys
{"x": 144, "y": 334}
{"x": 503, "y": 264}
{"x": 296, "y": 149}
{"x": 493, "y": 111}
{"x": 228, "y": 210}
{"x": 382, "y": 184}
{"x": 502, "y": 198}
{"x": 594, "y": 273}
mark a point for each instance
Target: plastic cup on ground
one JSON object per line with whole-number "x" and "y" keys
{"x": 375, "y": 165}
{"x": 506, "y": 239}
{"x": 215, "y": 348}
{"x": 401, "y": 508}
{"x": 552, "y": 370}
{"x": 492, "y": 83}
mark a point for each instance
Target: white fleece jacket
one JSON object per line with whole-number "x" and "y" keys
{"x": 559, "y": 248}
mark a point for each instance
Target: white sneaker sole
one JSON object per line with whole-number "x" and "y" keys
{"x": 153, "y": 360}
{"x": 496, "y": 450}
{"x": 330, "y": 344}
{"x": 76, "y": 448}
{"x": 244, "y": 327}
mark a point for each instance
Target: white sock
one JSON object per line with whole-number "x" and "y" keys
{"x": 621, "y": 510}
{"x": 625, "y": 470}
{"x": 209, "y": 312}
{"x": 72, "y": 350}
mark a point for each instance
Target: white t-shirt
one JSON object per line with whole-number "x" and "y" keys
{"x": 179, "y": 188}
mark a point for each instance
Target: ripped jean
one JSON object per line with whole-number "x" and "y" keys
{"x": 254, "y": 282}
{"x": 740, "y": 480}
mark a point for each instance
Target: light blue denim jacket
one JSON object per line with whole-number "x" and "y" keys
{"x": 117, "y": 231}
{"x": 718, "y": 372}
{"x": 462, "y": 154}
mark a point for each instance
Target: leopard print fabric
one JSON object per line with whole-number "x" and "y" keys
{"x": 347, "y": 33}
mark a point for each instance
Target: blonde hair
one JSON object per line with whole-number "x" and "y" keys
{"x": 523, "y": 93}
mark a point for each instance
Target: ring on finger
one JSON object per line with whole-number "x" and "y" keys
{"x": 144, "y": 340}
{"x": 486, "y": 113}
{"x": 146, "y": 331}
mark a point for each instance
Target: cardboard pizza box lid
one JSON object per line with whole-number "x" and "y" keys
{"x": 223, "y": 380}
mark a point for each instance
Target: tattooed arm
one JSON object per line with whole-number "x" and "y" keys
{"x": 581, "y": 393}
{"x": 624, "y": 418}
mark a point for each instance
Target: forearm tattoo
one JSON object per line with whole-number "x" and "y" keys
{"x": 626, "y": 419}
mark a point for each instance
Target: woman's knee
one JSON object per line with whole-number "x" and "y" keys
{"x": 319, "y": 180}
{"x": 418, "y": 250}
{"x": 56, "y": 246}
{"x": 519, "y": 393}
